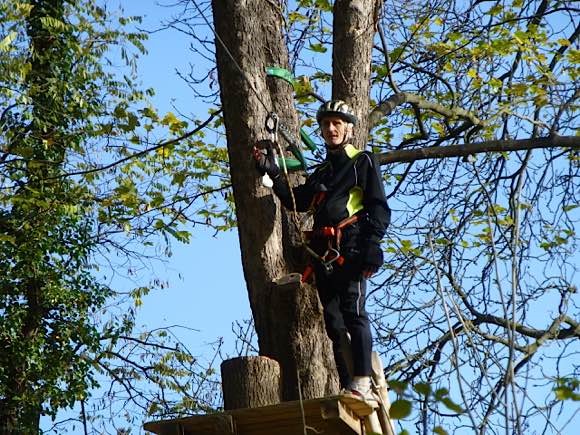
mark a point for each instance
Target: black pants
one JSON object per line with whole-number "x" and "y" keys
{"x": 342, "y": 293}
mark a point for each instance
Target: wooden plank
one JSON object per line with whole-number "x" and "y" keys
{"x": 281, "y": 411}
{"x": 214, "y": 424}
{"x": 342, "y": 420}
{"x": 284, "y": 427}
{"x": 360, "y": 407}
{"x": 336, "y": 415}
{"x": 372, "y": 423}
{"x": 282, "y": 419}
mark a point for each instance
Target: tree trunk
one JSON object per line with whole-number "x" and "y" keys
{"x": 354, "y": 26}
{"x": 252, "y": 33}
{"x": 300, "y": 341}
{"x": 22, "y": 396}
{"x": 250, "y": 382}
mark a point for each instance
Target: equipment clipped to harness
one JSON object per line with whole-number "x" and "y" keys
{"x": 332, "y": 255}
{"x": 272, "y": 129}
{"x": 273, "y": 126}
{"x": 293, "y": 144}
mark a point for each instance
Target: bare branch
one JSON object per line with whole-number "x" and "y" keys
{"x": 442, "y": 152}
{"x": 386, "y": 107}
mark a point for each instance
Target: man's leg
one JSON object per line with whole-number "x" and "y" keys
{"x": 335, "y": 328}
{"x": 352, "y": 306}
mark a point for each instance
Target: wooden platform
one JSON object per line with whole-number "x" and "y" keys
{"x": 337, "y": 415}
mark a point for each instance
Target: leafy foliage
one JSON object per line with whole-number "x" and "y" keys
{"x": 84, "y": 179}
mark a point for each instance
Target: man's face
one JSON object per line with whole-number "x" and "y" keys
{"x": 334, "y": 130}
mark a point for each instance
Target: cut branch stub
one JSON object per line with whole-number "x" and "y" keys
{"x": 250, "y": 382}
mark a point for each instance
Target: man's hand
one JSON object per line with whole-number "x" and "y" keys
{"x": 372, "y": 258}
{"x": 266, "y": 161}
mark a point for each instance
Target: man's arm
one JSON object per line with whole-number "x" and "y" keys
{"x": 378, "y": 216}
{"x": 299, "y": 197}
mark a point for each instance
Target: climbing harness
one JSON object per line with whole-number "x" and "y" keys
{"x": 286, "y": 75}
{"x": 333, "y": 237}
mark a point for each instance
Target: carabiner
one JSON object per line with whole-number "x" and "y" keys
{"x": 272, "y": 123}
{"x": 328, "y": 263}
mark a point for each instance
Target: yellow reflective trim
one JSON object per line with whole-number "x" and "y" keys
{"x": 351, "y": 151}
{"x": 355, "y": 196}
{"x": 355, "y": 199}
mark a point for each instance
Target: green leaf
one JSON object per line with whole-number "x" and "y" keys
{"x": 396, "y": 53}
{"x": 564, "y": 42}
{"x": 7, "y": 41}
{"x": 7, "y": 238}
{"x": 422, "y": 388}
{"x": 51, "y": 23}
{"x": 495, "y": 10}
{"x": 450, "y": 404}
{"x": 400, "y": 409}
{"x": 153, "y": 408}
{"x": 574, "y": 56}
{"x": 439, "y": 430}
{"x": 318, "y": 48}
{"x": 294, "y": 17}
{"x": 169, "y": 119}
{"x": 406, "y": 245}
{"x": 323, "y": 5}
{"x": 567, "y": 389}
{"x": 398, "y": 386}
{"x": 439, "y": 128}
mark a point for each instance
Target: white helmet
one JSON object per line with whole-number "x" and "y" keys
{"x": 336, "y": 108}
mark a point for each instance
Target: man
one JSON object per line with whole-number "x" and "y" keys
{"x": 350, "y": 212}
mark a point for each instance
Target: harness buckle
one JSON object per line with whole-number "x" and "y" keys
{"x": 327, "y": 262}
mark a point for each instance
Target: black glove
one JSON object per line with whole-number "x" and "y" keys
{"x": 266, "y": 162}
{"x": 372, "y": 258}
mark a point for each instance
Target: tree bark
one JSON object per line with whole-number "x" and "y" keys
{"x": 300, "y": 341}
{"x": 250, "y": 382}
{"x": 354, "y": 27}
{"x": 464, "y": 150}
{"x": 250, "y": 39}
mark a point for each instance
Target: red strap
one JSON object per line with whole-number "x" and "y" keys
{"x": 348, "y": 221}
{"x": 342, "y": 224}
{"x": 307, "y": 274}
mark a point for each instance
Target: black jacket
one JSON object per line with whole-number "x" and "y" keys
{"x": 353, "y": 185}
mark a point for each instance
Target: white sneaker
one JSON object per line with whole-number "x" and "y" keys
{"x": 360, "y": 387}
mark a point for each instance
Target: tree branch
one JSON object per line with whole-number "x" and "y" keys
{"x": 386, "y": 107}
{"x": 442, "y": 152}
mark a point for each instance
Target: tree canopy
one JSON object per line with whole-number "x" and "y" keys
{"x": 92, "y": 181}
